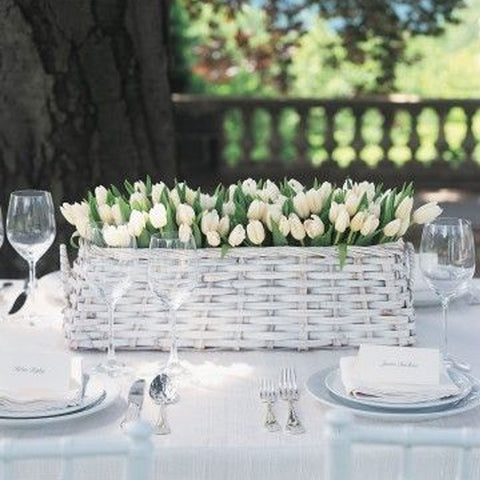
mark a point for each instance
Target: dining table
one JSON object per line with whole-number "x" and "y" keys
{"x": 217, "y": 425}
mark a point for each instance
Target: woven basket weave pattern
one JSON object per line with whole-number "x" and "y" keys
{"x": 273, "y": 297}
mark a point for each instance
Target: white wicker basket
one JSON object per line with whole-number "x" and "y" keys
{"x": 271, "y": 297}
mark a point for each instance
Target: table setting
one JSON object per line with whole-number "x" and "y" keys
{"x": 233, "y": 322}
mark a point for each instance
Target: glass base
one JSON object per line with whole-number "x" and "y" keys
{"x": 177, "y": 370}
{"x": 113, "y": 368}
{"x": 452, "y": 362}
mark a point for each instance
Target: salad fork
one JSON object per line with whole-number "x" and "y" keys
{"x": 268, "y": 395}
{"x": 289, "y": 392}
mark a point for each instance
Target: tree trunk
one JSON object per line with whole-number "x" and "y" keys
{"x": 84, "y": 96}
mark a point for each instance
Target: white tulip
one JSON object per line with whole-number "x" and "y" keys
{"x": 105, "y": 213}
{"x": 249, "y": 186}
{"x": 426, "y": 213}
{"x": 370, "y": 225}
{"x": 365, "y": 188}
{"x": 101, "y": 195}
{"x": 224, "y": 226}
{"x": 284, "y": 225}
{"x": 210, "y": 221}
{"x": 84, "y": 227}
{"x": 228, "y": 208}
{"x": 296, "y": 227}
{"x": 72, "y": 212}
{"x": 357, "y": 221}
{"x": 140, "y": 187}
{"x": 231, "y": 191}
{"x": 314, "y": 226}
{"x": 213, "y": 239}
{"x": 333, "y": 212}
{"x": 184, "y": 232}
{"x": 158, "y": 215}
{"x": 296, "y": 185}
{"x": 273, "y": 212}
{"x": 157, "y": 190}
{"x": 343, "y": 219}
{"x": 255, "y": 232}
{"x": 392, "y": 228}
{"x": 136, "y": 223}
{"x": 404, "y": 208}
{"x": 256, "y": 210}
{"x": 237, "y": 236}
{"x": 139, "y": 201}
{"x": 207, "y": 202}
{"x": 280, "y": 200}
{"x": 314, "y": 200}
{"x": 352, "y": 202}
{"x": 185, "y": 214}
{"x": 117, "y": 214}
{"x": 325, "y": 189}
{"x": 301, "y": 205}
{"x": 404, "y": 227}
{"x": 117, "y": 236}
{"x": 175, "y": 197}
{"x": 271, "y": 190}
{"x": 375, "y": 209}
{"x": 190, "y": 195}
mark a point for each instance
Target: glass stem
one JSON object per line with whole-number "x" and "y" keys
{"x": 444, "y": 349}
{"x": 32, "y": 266}
{"x": 173, "y": 356}
{"x": 111, "y": 332}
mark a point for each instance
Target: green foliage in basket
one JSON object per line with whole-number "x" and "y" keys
{"x": 251, "y": 213}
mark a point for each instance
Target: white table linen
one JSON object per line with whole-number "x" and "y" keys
{"x": 217, "y": 430}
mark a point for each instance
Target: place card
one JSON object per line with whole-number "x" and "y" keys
{"x": 417, "y": 366}
{"x": 21, "y": 371}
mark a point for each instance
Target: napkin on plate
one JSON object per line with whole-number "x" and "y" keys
{"x": 393, "y": 393}
{"x": 35, "y": 399}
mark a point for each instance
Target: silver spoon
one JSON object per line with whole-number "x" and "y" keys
{"x": 162, "y": 393}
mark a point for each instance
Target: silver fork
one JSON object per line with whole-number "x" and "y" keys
{"x": 289, "y": 392}
{"x": 268, "y": 395}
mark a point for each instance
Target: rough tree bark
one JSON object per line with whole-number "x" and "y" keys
{"x": 84, "y": 96}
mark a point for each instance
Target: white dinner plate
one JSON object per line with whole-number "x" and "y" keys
{"x": 315, "y": 385}
{"x": 93, "y": 394}
{"x": 110, "y": 394}
{"x": 334, "y": 384}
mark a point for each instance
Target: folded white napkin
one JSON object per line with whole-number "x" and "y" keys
{"x": 393, "y": 393}
{"x": 35, "y": 399}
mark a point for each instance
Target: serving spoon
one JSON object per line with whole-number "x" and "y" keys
{"x": 163, "y": 393}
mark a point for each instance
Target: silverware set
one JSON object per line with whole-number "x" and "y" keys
{"x": 287, "y": 390}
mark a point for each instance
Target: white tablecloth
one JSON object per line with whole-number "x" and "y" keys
{"x": 217, "y": 425}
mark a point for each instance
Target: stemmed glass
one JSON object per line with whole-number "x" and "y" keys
{"x": 109, "y": 273}
{"x": 172, "y": 276}
{"x": 31, "y": 227}
{"x": 447, "y": 260}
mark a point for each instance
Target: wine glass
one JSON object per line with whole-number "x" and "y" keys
{"x": 31, "y": 227}
{"x": 172, "y": 276}
{"x": 109, "y": 273}
{"x": 447, "y": 260}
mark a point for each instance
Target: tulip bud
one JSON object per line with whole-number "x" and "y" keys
{"x": 352, "y": 202}
{"x": 117, "y": 214}
{"x": 301, "y": 205}
{"x": 101, "y": 195}
{"x": 175, "y": 197}
{"x": 184, "y": 232}
{"x": 314, "y": 201}
{"x": 105, "y": 213}
{"x": 190, "y": 195}
{"x": 118, "y": 237}
{"x": 157, "y": 191}
{"x": 404, "y": 227}
{"x": 370, "y": 225}
{"x": 228, "y": 208}
{"x": 357, "y": 221}
{"x": 271, "y": 190}
{"x": 139, "y": 201}
{"x": 213, "y": 238}
{"x": 207, "y": 202}
{"x": 136, "y": 224}
{"x": 392, "y": 228}
{"x": 375, "y": 209}
{"x": 343, "y": 219}
{"x": 333, "y": 212}
{"x": 256, "y": 210}
{"x": 325, "y": 189}
{"x": 140, "y": 187}
{"x": 404, "y": 208}
{"x": 209, "y": 222}
{"x": 68, "y": 212}
{"x": 249, "y": 186}
{"x": 296, "y": 185}
{"x": 296, "y": 227}
{"x": 158, "y": 215}
{"x": 185, "y": 214}
{"x": 426, "y": 213}
{"x": 273, "y": 213}
{"x": 224, "y": 226}
{"x": 255, "y": 232}
{"x": 284, "y": 225}
{"x": 237, "y": 236}
{"x": 314, "y": 226}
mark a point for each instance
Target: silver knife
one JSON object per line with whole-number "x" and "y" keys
{"x": 135, "y": 402}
